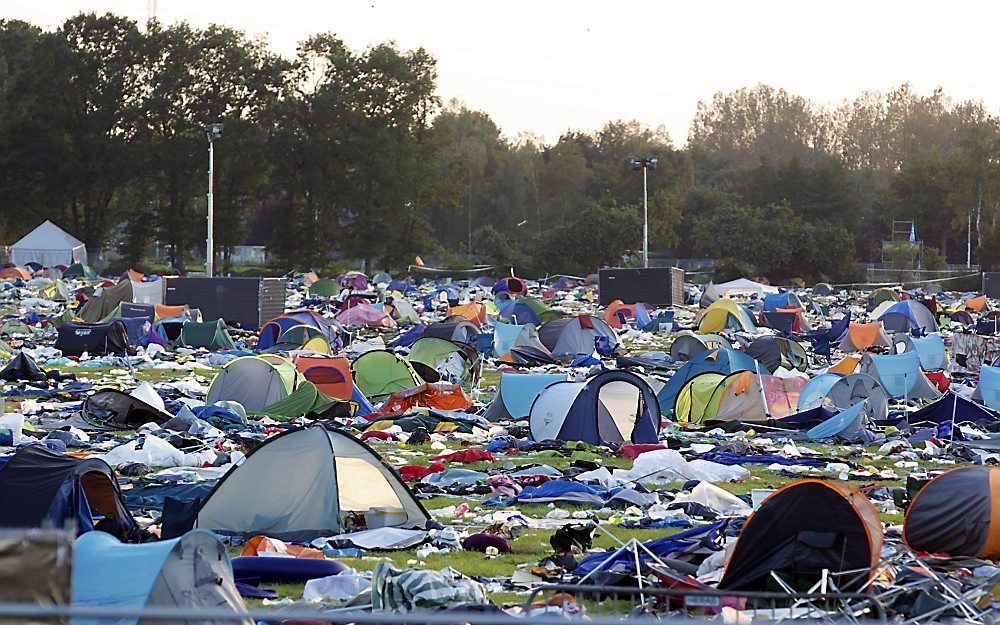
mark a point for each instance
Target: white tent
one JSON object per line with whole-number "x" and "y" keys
{"x": 743, "y": 286}
{"x": 48, "y": 245}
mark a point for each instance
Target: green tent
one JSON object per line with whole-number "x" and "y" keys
{"x": 381, "y": 373}
{"x": 324, "y": 287}
{"x": 539, "y": 308}
{"x": 15, "y": 326}
{"x": 699, "y": 398}
{"x": 431, "y": 357}
{"x": 79, "y": 270}
{"x": 210, "y": 335}
{"x": 305, "y": 399}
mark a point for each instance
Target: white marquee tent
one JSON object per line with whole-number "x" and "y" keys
{"x": 48, "y": 245}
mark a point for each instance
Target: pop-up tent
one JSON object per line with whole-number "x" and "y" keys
{"x": 906, "y": 316}
{"x": 723, "y": 361}
{"x": 380, "y": 373}
{"x": 272, "y": 331}
{"x": 576, "y": 336}
{"x": 687, "y": 345}
{"x": 612, "y": 407}
{"x": 748, "y": 396}
{"x": 527, "y": 350}
{"x": 784, "y": 299}
{"x": 333, "y": 378}
{"x": 211, "y": 335}
{"x": 862, "y": 336}
{"x": 516, "y": 393}
{"x": 900, "y": 375}
{"x": 957, "y": 513}
{"x": 802, "y": 531}
{"x": 458, "y": 329}
{"x": 187, "y": 573}
{"x": 254, "y": 381}
{"x": 929, "y": 348}
{"x": 726, "y": 314}
{"x": 267, "y": 495}
{"x": 48, "y": 245}
{"x": 837, "y": 392}
{"x": 56, "y": 490}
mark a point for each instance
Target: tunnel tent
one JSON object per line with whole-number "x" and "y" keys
{"x": 515, "y": 394}
{"x": 775, "y": 351}
{"x": 863, "y": 336}
{"x": 569, "y": 337}
{"x": 900, "y": 375}
{"x": 190, "y": 572}
{"x": 724, "y": 361}
{"x": 55, "y": 490}
{"x": 726, "y": 314}
{"x": 930, "y": 350}
{"x": 380, "y": 373}
{"x": 687, "y": 345}
{"x": 212, "y": 335}
{"x": 957, "y": 513}
{"x": 437, "y": 360}
{"x": 611, "y": 408}
{"x": 266, "y": 494}
{"x": 803, "y": 530}
{"x": 255, "y": 382}
{"x": 907, "y": 316}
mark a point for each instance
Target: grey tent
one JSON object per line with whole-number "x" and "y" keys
{"x": 687, "y": 345}
{"x": 269, "y": 493}
{"x": 48, "y": 245}
{"x": 192, "y": 572}
{"x": 104, "y": 304}
{"x": 776, "y": 351}
{"x": 575, "y": 336}
{"x": 841, "y": 392}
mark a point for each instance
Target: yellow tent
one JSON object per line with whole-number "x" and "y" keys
{"x": 726, "y": 313}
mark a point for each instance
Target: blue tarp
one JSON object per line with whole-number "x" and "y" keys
{"x": 707, "y": 535}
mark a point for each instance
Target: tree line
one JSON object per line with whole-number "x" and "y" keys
{"x": 342, "y": 153}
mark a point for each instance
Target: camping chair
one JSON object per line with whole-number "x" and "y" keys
{"x": 822, "y": 340}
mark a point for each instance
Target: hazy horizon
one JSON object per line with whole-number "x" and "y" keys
{"x": 545, "y": 68}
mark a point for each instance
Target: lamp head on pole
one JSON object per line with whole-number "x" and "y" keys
{"x": 638, "y": 164}
{"x": 213, "y": 131}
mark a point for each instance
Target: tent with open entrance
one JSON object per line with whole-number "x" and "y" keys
{"x": 267, "y": 494}
{"x": 802, "y": 530}
{"x": 570, "y": 337}
{"x": 255, "y": 382}
{"x": 514, "y": 286}
{"x": 687, "y": 345}
{"x": 48, "y": 245}
{"x": 723, "y": 361}
{"x": 776, "y": 351}
{"x": 515, "y": 394}
{"x": 437, "y": 360}
{"x": 900, "y": 375}
{"x": 957, "y": 513}
{"x": 191, "y": 572}
{"x": 380, "y": 373}
{"x": 56, "y": 490}
{"x": 725, "y": 314}
{"x": 612, "y": 407}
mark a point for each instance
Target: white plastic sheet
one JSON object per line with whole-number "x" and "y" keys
{"x": 715, "y": 498}
{"x": 341, "y": 587}
{"x": 668, "y": 465}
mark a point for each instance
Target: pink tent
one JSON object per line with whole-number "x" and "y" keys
{"x": 365, "y": 315}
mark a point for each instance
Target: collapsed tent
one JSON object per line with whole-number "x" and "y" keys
{"x": 527, "y": 349}
{"x": 577, "y": 336}
{"x": 515, "y": 394}
{"x": 833, "y": 391}
{"x": 801, "y": 532}
{"x": 435, "y": 396}
{"x": 380, "y": 373}
{"x": 726, "y": 314}
{"x": 55, "y": 490}
{"x": 267, "y": 495}
{"x": 364, "y": 314}
{"x": 775, "y": 351}
{"x": 112, "y": 409}
{"x": 187, "y": 573}
{"x": 723, "y": 361}
{"x": 255, "y": 382}
{"x": 612, "y": 407}
{"x": 900, "y": 375}
{"x": 687, "y": 345}
{"x": 954, "y": 409}
{"x": 957, "y": 514}
{"x": 458, "y": 329}
{"x": 437, "y": 360}
{"x": 95, "y": 339}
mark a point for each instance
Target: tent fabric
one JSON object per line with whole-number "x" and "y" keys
{"x": 900, "y": 375}
{"x": 113, "y": 409}
{"x": 147, "y": 292}
{"x": 908, "y": 316}
{"x": 752, "y": 397}
{"x": 528, "y": 350}
{"x": 95, "y": 339}
{"x": 930, "y": 350}
{"x": 437, "y": 360}
{"x": 58, "y": 490}
{"x": 254, "y": 382}
{"x": 325, "y": 287}
{"x": 516, "y": 392}
{"x": 380, "y": 373}
{"x": 863, "y": 336}
{"x": 272, "y": 331}
{"x": 726, "y": 314}
{"x": 437, "y": 396}
{"x": 458, "y": 329}
{"x": 743, "y": 286}
{"x": 22, "y": 368}
{"x": 304, "y": 400}
{"x": 988, "y": 390}
{"x": 48, "y": 245}
{"x": 957, "y": 513}
{"x": 801, "y": 530}
{"x": 575, "y": 336}
{"x": 266, "y": 495}
{"x": 775, "y": 351}
{"x": 952, "y": 408}
{"x": 838, "y": 392}
{"x": 612, "y": 407}
{"x": 364, "y": 315}
{"x": 333, "y": 378}
{"x": 504, "y": 335}
{"x": 784, "y": 299}
{"x": 190, "y": 572}
{"x": 687, "y": 345}
{"x": 717, "y": 360}
{"x": 105, "y": 301}
{"x": 211, "y": 335}
{"x": 515, "y": 311}
{"x": 699, "y": 398}
{"x": 848, "y": 425}
{"x": 473, "y": 312}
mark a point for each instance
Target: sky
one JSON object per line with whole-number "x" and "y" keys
{"x": 542, "y": 67}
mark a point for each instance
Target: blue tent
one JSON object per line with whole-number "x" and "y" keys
{"x": 191, "y": 572}
{"x": 613, "y": 407}
{"x": 504, "y": 336}
{"x": 900, "y": 375}
{"x": 515, "y": 311}
{"x": 516, "y": 393}
{"x": 785, "y": 299}
{"x": 931, "y": 352}
{"x": 908, "y": 316}
{"x": 847, "y": 425}
{"x": 409, "y": 337}
{"x": 989, "y": 386}
{"x": 815, "y": 392}
{"x": 952, "y": 407}
{"x": 451, "y": 294}
{"x": 723, "y": 361}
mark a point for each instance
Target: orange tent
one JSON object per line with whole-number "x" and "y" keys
{"x": 310, "y": 278}
{"x": 977, "y": 303}
{"x": 440, "y": 395}
{"x": 263, "y": 544}
{"x": 617, "y": 309}
{"x": 14, "y": 273}
{"x": 170, "y": 312}
{"x": 133, "y": 275}
{"x": 332, "y": 376}
{"x": 473, "y": 311}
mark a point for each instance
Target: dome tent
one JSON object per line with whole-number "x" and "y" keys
{"x": 726, "y": 314}
{"x": 254, "y": 381}
{"x": 380, "y": 373}
{"x": 332, "y": 377}
{"x": 570, "y": 337}
{"x": 900, "y": 375}
{"x": 516, "y": 392}
{"x": 907, "y": 316}
{"x": 190, "y": 572}
{"x": 267, "y": 495}
{"x": 723, "y": 361}
{"x": 687, "y": 345}
{"x": 957, "y": 513}
{"x": 776, "y": 351}
{"x": 800, "y": 531}
{"x": 612, "y": 407}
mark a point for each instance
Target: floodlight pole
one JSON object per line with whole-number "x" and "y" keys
{"x": 210, "y": 241}
{"x": 645, "y": 221}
